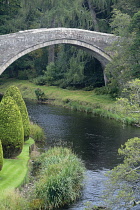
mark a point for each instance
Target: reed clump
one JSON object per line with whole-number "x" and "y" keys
{"x": 36, "y": 132}
{"x": 60, "y": 179}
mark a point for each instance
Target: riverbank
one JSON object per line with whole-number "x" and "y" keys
{"x": 14, "y": 171}
{"x": 58, "y": 180}
{"x": 86, "y": 101}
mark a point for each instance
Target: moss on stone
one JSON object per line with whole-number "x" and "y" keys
{"x": 14, "y": 92}
{"x": 11, "y": 128}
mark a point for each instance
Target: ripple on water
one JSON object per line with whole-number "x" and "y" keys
{"x": 94, "y": 139}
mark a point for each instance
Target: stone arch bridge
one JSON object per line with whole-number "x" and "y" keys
{"x": 15, "y": 45}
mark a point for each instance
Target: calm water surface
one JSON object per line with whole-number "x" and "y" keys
{"x": 94, "y": 139}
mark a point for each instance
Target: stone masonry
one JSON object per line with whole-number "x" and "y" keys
{"x": 15, "y": 45}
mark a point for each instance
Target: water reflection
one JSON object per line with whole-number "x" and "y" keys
{"x": 96, "y": 140}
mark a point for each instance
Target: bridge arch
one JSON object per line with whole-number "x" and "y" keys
{"x": 15, "y": 45}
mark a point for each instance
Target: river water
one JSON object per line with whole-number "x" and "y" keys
{"x": 94, "y": 139}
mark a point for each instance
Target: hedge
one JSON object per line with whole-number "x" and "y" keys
{"x": 11, "y": 128}
{"x": 14, "y": 92}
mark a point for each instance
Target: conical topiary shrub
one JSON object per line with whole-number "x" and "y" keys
{"x": 14, "y": 92}
{"x": 1, "y": 156}
{"x": 11, "y": 128}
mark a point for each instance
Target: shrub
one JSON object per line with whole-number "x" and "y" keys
{"x": 40, "y": 80}
{"x": 14, "y": 92}
{"x": 1, "y": 156}
{"x": 36, "y": 132}
{"x": 111, "y": 89}
{"x": 11, "y": 127}
{"x": 40, "y": 95}
{"x": 60, "y": 179}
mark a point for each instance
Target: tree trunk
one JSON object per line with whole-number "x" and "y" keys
{"x": 93, "y": 14}
{"x": 51, "y": 50}
{"x": 105, "y": 78}
{"x": 96, "y": 28}
{"x": 51, "y": 54}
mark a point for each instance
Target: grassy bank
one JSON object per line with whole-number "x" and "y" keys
{"x": 80, "y": 100}
{"x": 14, "y": 171}
{"x": 58, "y": 180}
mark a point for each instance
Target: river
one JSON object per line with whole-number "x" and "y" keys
{"x": 94, "y": 139}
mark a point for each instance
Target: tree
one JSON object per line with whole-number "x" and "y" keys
{"x": 100, "y": 11}
{"x": 123, "y": 185}
{"x": 1, "y": 156}
{"x": 14, "y": 92}
{"x": 51, "y": 74}
{"x": 132, "y": 92}
{"x": 134, "y": 48}
{"x": 8, "y": 11}
{"x": 129, "y": 7}
{"x": 75, "y": 74}
{"x": 125, "y": 63}
{"x": 11, "y": 128}
{"x": 120, "y": 23}
{"x": 128, "y": 105}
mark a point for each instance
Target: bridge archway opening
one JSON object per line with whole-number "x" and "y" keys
{"x": 97, "y": 54}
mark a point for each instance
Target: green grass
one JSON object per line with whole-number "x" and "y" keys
{"x": 58, "y": 94}
{"x": 27, "y": 88}
{"x": 15, "y": 170}
{"x": 86, "y": 101}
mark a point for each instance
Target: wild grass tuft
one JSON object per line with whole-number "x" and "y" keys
{"x": 60, "y": 179}
{"x": 13, "y": 200}
{"x": 36, "y": 132}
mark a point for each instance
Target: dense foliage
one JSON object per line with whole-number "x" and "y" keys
{"x": 14, "y": 92}
{"x": 125, "y": 65}
{"x": 11, "y": 128}
{"x": 1, "y": 156}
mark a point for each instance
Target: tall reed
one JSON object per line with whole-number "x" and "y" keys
{"x": 36, "y": 132}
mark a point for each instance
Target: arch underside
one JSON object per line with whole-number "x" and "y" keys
{"x": 96, "y": 52}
